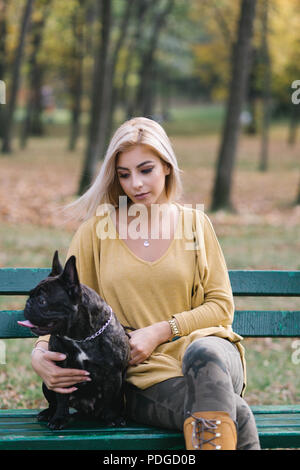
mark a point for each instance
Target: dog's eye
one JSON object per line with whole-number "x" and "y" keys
{"x": 42, "y": 301}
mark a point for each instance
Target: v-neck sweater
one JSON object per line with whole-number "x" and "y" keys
{"x": 189, "y": 282}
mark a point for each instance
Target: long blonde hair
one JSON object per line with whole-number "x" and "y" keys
{"x": 106, "y": 188}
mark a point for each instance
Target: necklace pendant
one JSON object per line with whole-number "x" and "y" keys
{"x": 146, "y": 243}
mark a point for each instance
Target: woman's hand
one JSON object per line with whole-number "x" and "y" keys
{"x": 145, "y": 340}
{"x": 56, "y": 378}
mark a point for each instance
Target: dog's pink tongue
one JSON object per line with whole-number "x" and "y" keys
{"x": 26, "y": 323}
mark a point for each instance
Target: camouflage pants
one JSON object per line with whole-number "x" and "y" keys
{"x": 212, "y": 381}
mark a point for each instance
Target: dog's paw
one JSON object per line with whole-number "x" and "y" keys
{"x": 58, "y": 422}
{"x": 118, "y": 422}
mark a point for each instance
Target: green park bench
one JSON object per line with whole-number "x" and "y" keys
{"x": 278, "y": 426}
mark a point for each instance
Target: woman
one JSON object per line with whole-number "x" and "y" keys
{"x": 158, "y": 264}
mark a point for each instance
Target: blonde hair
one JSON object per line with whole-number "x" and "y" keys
{"x": 106, "y": 188}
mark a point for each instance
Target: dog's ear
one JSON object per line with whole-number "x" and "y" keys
{"x": 71, "y": 279}
{"x": 56, "y": 266}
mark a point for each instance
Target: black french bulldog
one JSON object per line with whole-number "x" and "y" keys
{"x": 83, "y": 327}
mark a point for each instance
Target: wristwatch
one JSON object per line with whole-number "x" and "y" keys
{"x": 174, "y": 327}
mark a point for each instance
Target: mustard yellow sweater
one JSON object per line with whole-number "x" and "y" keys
{"x": 189, "y": 284}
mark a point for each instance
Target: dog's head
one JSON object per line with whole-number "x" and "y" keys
{"x": 54, "y": 299}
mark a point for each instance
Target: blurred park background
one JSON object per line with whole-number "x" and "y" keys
{"x": 221, "y": 76}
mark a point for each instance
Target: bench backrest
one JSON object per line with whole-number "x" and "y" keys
{"x": 248, "y": 323}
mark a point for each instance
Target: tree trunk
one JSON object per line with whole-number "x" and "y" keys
{"x": 33, "y": 124}
{"x": 99, "y": 79}
{"x": 105, "y": 123}
{"x": 298, "y": 195}
{"x": 294, "y": 122}
{"x": 6, "y": 148}
{"x": 266, "y": 91}
{"x": 101, "y": 118}
{"x": 76, "y": 75}
{"x": 127, "y": 98}
{"x": 144, "y": 105}
{"x": 3, "y": 32}
{"x": 252, "y": 128}
{"x": 237, "y": 94}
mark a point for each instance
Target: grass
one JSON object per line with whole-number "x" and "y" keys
{"x": 273, "y": 378}
{"x": 263, "y": 233}
{"x": 19, "y": 384}
{"x": 29, "y": 245}
{"x": 195, "y": 120}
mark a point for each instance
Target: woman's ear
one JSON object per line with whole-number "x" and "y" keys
{"x": 167, "y": 168}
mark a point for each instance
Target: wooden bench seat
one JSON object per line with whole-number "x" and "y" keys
{"x": 278, "y": 426}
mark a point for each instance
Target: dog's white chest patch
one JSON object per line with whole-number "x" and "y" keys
{"x": 82, "y": 356}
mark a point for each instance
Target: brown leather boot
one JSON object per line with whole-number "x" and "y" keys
{"x": 210, "y": 430}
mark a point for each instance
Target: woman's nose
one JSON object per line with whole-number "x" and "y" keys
{"x": 136, "y": 181}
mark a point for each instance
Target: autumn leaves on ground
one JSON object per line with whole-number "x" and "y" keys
{"x": 263, "y": 233}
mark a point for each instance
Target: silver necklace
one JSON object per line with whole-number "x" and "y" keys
{"x": 146, "y": 243}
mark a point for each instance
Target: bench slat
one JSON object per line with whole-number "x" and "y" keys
{"x": 9, "y": 327}
{"x": 266, "y": 323}
{"x": 20, "y": 430}
{"x": 19, "y": 281}
{"x": 274, "y": 409}
{"x": 265, "y": 283}
{"x": 249, "y": 324}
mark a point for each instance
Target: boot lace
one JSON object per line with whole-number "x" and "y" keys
{"x": 201, "y": 426}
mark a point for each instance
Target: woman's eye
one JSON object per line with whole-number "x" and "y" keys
{"x": 126, "y": 175}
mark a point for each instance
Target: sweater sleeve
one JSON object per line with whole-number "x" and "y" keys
{"x": 218, "y": 306}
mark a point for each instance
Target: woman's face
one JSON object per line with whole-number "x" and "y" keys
{"x": 142, "y": 175}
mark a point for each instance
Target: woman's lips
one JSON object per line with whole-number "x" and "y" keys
{"x": 141, "y": 196}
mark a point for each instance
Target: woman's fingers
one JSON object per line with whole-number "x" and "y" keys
{"x": 64, "y": 390}
{"x": 59, "y": 379}
{"x": 137, "y": 359}
{"x": 54, "y": 356}
{"x": 66, "y": 381}
{"x": 60, "y": 372}
{"x": 142, "y": 343}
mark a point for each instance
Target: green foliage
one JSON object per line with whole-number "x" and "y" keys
{"x": 194, "y": 46}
